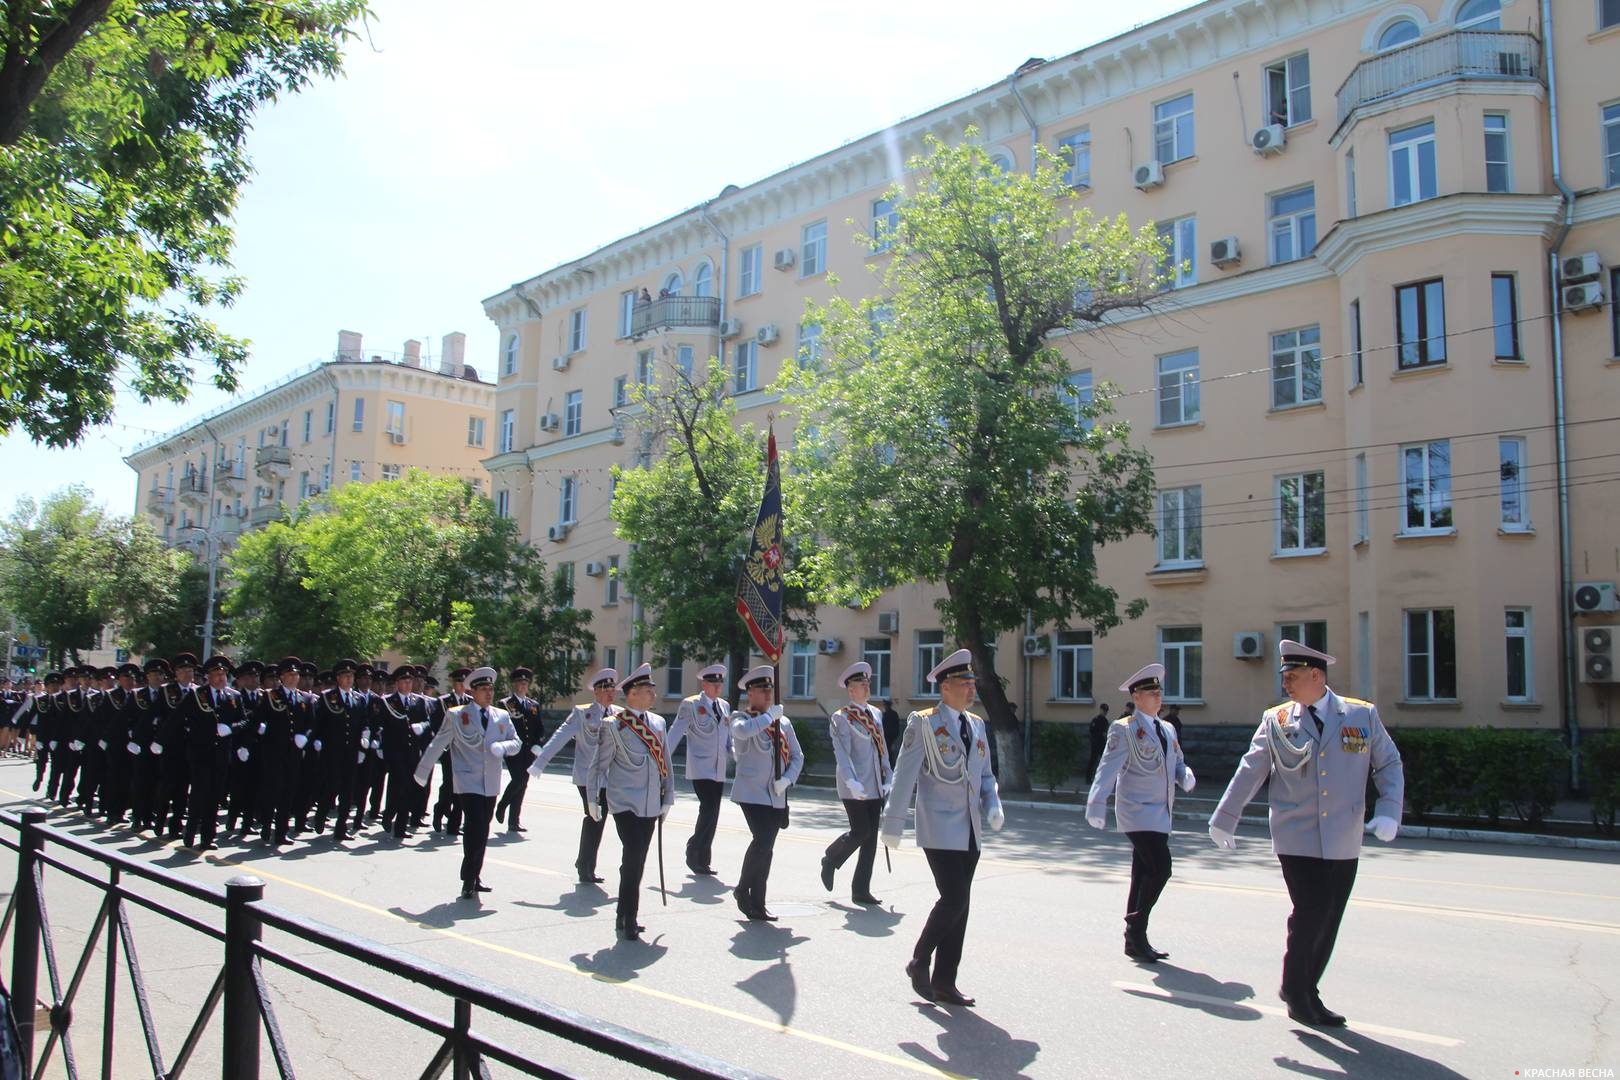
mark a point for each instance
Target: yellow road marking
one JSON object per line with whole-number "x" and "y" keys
{"x": 1274, "y": 1010}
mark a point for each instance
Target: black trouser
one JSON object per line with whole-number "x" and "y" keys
{"x": 942, "y": 934}
{"x": 864, "y": 815}
{"x": 342, "y": 791}
{"x": 448, "y": 805}
{"x": 42, "y": 758}
{"x": 405, "y": 795}
{"x": 243, "y": 792}
{"x": 64, "y": 771}
{"x": 1150, "y": 871}
{"x": 207, "y": 766}
{"x": 590, "y": 832}
{"x": 92, "y": 774}
{"x": 176, "y": 783}
{"x": 374, "y": 777}
{"x": 117, "y": 780}
{"x": 1096, "y": 756}
{"x": 476, "y": 812}
{"x": 279, "y": 777}
{"x": 764, "y": 822}
{"x": 700, "y": 845}
{"x": 517, "y": 784}
{"x": 145, "y": 786}
{"x": 1319, "y": 890}
{"x": 635, "y": 836}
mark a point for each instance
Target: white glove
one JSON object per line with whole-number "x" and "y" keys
{"x": 536, "y": 771}
{"x": 998, "y": 818}
{"x": 261, "y": 729}
{"x": 365, "y": 735}
{"x": 1188, "y": 780}
{"x": 133, "y": 748}
{"x": 885, "y": 787}
{"x": 53, "y": 744}
{"x": 75, "y": 746}
{"x": 157, "y": 748}
{"x": 1224, "y": 840}
{"x": 222, "y": 730}
{"x": 376, "y": 744}
{"x": 102, "y": 743}
{"x": 595, "y": 810}
{"x": 379, "y": 753}
{"x": 300, "y": 740}
{"x": 857, "y": 790}
{"x": 780, "y": 784}
{"x": 420, "y": 780}
{"x": 317, "y": 746}
{"x": 1097, "y": 821}
{"x": 774, "y": 712}
{"x": 417, "y": 729}
{"x": 496, "y": 750}
{"x": 535, "y": 750}
{"x": 360, "y": 758}
{"x": 242, "y": 753}
{"x": 1385, "y": 828}
{"x": 891, "y": 840}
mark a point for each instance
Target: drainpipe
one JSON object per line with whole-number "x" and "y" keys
{"x": 337, "y": 424}
{"x": 1034, "y": 129}
{"x": 725, "y": 270}
{"x": 1566, "y": 559}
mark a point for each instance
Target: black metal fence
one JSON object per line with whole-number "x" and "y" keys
{"x": 249, "y": 1022}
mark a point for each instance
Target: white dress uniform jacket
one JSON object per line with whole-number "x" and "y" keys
{"x": 479, "y": 741}
{"x": 571, "y": 729}
{"x": 751, "y": 746}
{"x": 705, "y": 725}
{"x": 1142, "y": 773}
{"x": 627, "y": 770}
{"x": 1318, "y": 783}
{"x": 858, "y": 757}
{"x": 953, "y": 783}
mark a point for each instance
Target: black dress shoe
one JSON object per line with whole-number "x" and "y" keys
{"x": 628, "y": 930}
{"x": 481, "y": 887}
{"x": 950, "y": 995}
{"x": 1137, "y": 952}
{"x": 827, "y": 874}
{"x": 1326, "y": 1016}
{"x": 867, "y": 899}
{"x": 917, "y": 970}
{"x": 759, "y": 914}
{"x": 588, "y": 878}
{"x": 517, "y": 828}
{"x": 1303, "y": 1009}
{"x": 467, "y": 893}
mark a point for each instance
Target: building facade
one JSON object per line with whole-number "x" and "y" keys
{"x": 357, "y": 417}
{"x": 1382, "y": 399}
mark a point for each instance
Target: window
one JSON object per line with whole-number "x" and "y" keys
{"x": 644, "y": 367}
{"x": 703, "y": 279}
{"x": 1397, "y": 33}
{"x": 1480, "y": 15}
{"x": 331, "y": 417}
{"x": 396, "y": 418}
{"x": 813, "y": 249}
{"x": 576, "y": 330}
{"x": 1349, "y": 183}
{"x": 1361, "y": 497}
{"x": 1181, "y": 651}
{"x": 1312, "y": 634}
{"x": 879, "y": 653}
{"x": 673, "y": 284}
{"x": 1293, "y": 224}
{"x": 359, "y": 414}
{"x": 1357, "y": 375}
{"x": 1505, "y": 316}
{"x": 1173, "y": 129}
{"x": 573, "y": 411}
{"x": 354, "y": 472}
{"x": 1426, "y": 477}
{"x": 1614, "y": 311}
{"x": 1431, "y": 655}
{"x": 1071, "y": 665}
{"x": 627, "y": 314}
{"x": 1074, "y": 150}
{"x": 1180, "y": 266}
{"x": 1181, "y": 527}
{"x": 1412, "y": 176}
{"x": 1288, "y": 91}
{"x": 621, "y": 391}
{"x": 509, "y": 356}
{"x": 1178, "y": 388}
{"x": 610, "y": 657}
{"x": 1608, "y": 14}
{"x": 1296, "y": 367}
{"x": 610, "y": 586}
{"x": 885, "y": 219}
{"x": 568, "y": 501}
{"x": 309, "y": 423}
{"x": 809, "y": 354}
{"x": 1498, "y": 171}
{"x": 1301, "y": 514}
{"x": 745, "y": 366}
{"x": 802, "y": 670}
{"x": 475, "y": 431}
{"x": 1515, "y": 504}
{"x": 1078, "y": 393}
{"x": 1611, "y": 145}
{"x": 1516, "y": 629}
{"x": 503, "y": 503}
{"x": 686, "y": 360}
{"x": 930, "y": 651}
{"x": 390, "y": 472}
{"x": 565, "y": 583}
{"x": 508, "y": 430}
{"x": 1420, "y": 323}
{"x": 748, "y": 271}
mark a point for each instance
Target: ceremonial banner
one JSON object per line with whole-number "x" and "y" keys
{"x": 759, "y": 586}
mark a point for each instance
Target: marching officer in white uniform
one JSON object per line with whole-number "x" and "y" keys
{"x": 1317, "y": 751}
{"x": 864, "y": 776}
{"x": 630, "y": 770}
{"x": 480, "y": 737}
{"x": 603, "y": 685}
{"x": 704, "y": 721}
{"x": 945, "y": 762}
{"x": 768, "y": 762}
{"x": 1141, "y": 765}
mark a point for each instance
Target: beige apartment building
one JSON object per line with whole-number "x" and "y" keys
{"x": 1382, "y": 422}
{"x": 360, "y": 416}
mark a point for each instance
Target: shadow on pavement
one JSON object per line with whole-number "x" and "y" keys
{"x": 775, "y": 988}
{"x": 1178, "y": 980}
{"x": 622, "y": 961}
{"x": 581, "y": 902}
{"x": 703, "y": 890}
{"x": 1350, "y": 1053}
{"x": 868, "y": 921}
{"x": 448, "y": 914}
{"x": 970, "y": 1045}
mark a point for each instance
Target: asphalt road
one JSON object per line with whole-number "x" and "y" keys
{"x": 1455, "y": 959}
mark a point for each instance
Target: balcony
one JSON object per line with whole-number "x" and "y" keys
{"x": 1462, "y": 55}
{"x": 273, "y": 462}
{"x": 231, "y": 522}
{"x": 260, "y": 516}
{"x": 193, "y": 490}
{"x": 669, "y": 311}
{"x": 229, "y": 477}
{"x": 160, "y": 500}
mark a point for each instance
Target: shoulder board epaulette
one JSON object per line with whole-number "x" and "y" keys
{"x": 928, "y": 714}
{"x": 1355, "y": 701}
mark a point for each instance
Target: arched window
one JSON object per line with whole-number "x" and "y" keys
{"x": 703, "y": 279}
{"x": 1396, "y": 33}
{"x": 1002, "y": 161}
{"x": 1480, "y": 15}
{"x": 672, "y": 284}
{"x": 509, "y": 357}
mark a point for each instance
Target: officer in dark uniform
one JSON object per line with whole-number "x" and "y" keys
{"x": 404, "y": 720}
{"x": 146, "y": 776}
{"x": 447, "y": 810}
{"x": 525, "y": 713}
{"x": 242, "y": 784}
{"x": 286, "y": 724}
{"x": 46, "y": 723}
{"x": 118, "y": 780}
{"x": 368, "y": 683}
{"x": 343, "y": 724}
{"x": 170, "y": 746}
{"x": 73, "y": 729}
{"x": 214, "y": 716}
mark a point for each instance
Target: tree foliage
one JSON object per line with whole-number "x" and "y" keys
{"x": 687, "y": 510}
{"x": 936, "y": 442}
{"x": 172, "y": 621}
{"x": 122, "y": 132}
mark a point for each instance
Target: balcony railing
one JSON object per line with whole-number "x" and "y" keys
{"x": 228, "y": 475}
{"x": 675, "y": 311}
{"x": 273, "y": 461}
{"x": 193, "y": 488}
{"x": 260, "y": 516}
{"x": 159, "y": 499}
{"x": 1459, "y": 55}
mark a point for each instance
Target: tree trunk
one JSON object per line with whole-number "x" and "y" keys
{"x": 1012, "y": 776}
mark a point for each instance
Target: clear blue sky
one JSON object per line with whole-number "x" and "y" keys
{"x": 458, "y": 155}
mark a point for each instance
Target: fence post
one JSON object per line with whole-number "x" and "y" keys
{"x": 25, "y": 935}
{"x": 461, "y": 1055}
{"x": 242, "y": 929}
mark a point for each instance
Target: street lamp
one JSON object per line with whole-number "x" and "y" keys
{"x": 212, "y": 540}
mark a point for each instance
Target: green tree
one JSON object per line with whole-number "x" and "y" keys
{"x": 937, "y": 441}
{"x": 122, "y": 153}
{"x": 688, "y": 511}
{"x": 172, "y": 621}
